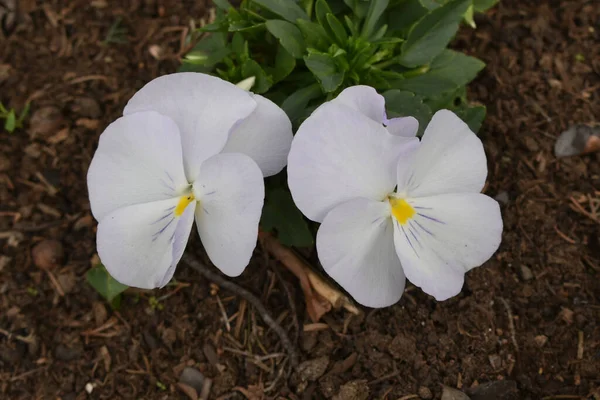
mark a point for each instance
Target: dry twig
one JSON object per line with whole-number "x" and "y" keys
{"x": 250, "y": 298}
{"x": 511, "y": 323}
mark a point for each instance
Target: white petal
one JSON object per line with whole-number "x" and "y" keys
{"x": 403, "y": 126}
{"x": 449, "y": 235}
{"x": 265, "y": 136}
{"x": 451, "y": 159}
{"x": 138, "y": 160}
{"x": 339, "y": 154}
{"x": 204, "y": 107}
{"x": 365, "y": 100}
{"x": 356, "y": 247}
{"x": 181, "y": 238}
{"x": 136, "y": 243}
{"x": 231, "y": 193}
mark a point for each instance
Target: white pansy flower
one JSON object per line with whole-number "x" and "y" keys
{"x": 189, "y": 146}
{"x": 393, "y": 207}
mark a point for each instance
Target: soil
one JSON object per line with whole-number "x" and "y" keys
{"x": 524, "y": 327}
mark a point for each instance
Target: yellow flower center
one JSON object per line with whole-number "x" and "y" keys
{"x": 184, "y": 201}
{"x": 401, "y": 210}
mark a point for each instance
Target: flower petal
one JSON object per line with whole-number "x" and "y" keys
{"x": 231, "y": 192}
{"x": 403, "y": 126}
{"x": 204, "y": 107}
{"x": 365, "y": 100}
{"x": 339, "y": 154}
{"x": 136, "y": 243}
{"x": 451, "y": 159}
{"x": 138, "y": 160}
{"x": 356, "y": 248}
{"x": 265, "y": 136}
{"x": 447, "y": 236}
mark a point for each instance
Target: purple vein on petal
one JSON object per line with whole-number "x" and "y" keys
{"x": 165, "y": 184}
{"x": 414, "y": 236}
{"x": 423, "y": 228}
{"x": 157, "y": 234}
{"x": 408, "y": 240}
{"x": 161, "y": 218}
{"x": 169, "y": 176}
{"x": 431, "y": 218}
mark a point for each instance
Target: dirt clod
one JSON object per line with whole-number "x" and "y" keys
{"x": 311, "y": 370}
{"x": 425, "y": 393}
{"x": 48, "y": 254}
{"x": 498, "y": 390}
{"x": 403, "y": 348}
{"x": 46, "y": 121}
{"x": 354, "y": 390}
{"x": 65, "y": 353}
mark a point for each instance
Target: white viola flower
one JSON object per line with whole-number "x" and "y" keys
{"x": 189, "y": 146}
{"x": 393, "y": 207}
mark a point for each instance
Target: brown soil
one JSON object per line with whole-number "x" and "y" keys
{"x": 526, "y": 322}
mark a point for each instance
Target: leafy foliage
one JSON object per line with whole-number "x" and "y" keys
{"x": 12, "y": 121}
{"x": 99, "y": 278}
{"x": 304, "y": 52}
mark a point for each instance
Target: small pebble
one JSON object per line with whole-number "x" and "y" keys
{"x": 193, "y": 378}
{"x": 541, "y": 340}
{"x": 425, "y": 393}
{"x": 525, "y": 273}
{"x": 502, "y": 198}
{"x": 89, "y": 387}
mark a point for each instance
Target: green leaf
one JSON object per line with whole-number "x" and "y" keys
{"x": 405, "y": 104}
{"x": 483, "y": 5}
{"x": 351, "y": 25}
{"x": 449, "y": 71}
{"x": 433, "y": 4}
{"x": 287, "y": 9}
{"x": 209, "y": 51}
{"x": 280, "y": 213}
{"x": 376, "y": 10}
{"x": 430, "y": 36}
{"x": 403, "y": 17}
{"x": 99, "y": 278}
{"x": 11, "y": 121}
{"x": 448, "y": 100}
{"x": 324, "y": 67}
{"x": 263, "y": 81}
{"x": 359, "y": 7}
{"x": 238, "y": 44}
{"x": 295, "y": 103}
{"x": 288, "y": 35}
{"x": 338, "y": 29}
{"x": 321, "y": 11}
{"x": 469, "y": 17}
{"x": 314, "y": 34}
{"x": 473, "y": 116}
{"x": 284, "y": 64}
{"x": 222, "y": 4}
